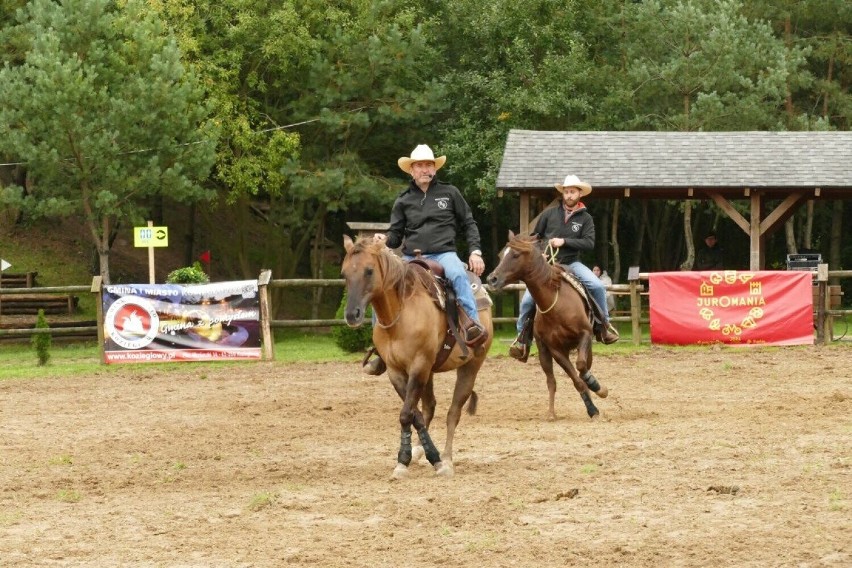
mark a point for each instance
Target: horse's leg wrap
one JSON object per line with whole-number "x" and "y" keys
{"x": 404, "y": 455}
{"x": 591, "y": 409}
{"x": 591, "y": 382}
{"x": 429, "y": 448}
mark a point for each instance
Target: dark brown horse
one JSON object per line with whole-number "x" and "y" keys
{"x": 562, "y": 322}
{"x": 409, "y": 332}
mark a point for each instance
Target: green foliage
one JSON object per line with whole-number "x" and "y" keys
{"x": 348, "y": 338}
{"x": 104, "y": 114}
{"x": 42, "y": 341}
{"x": 188, "y": 275}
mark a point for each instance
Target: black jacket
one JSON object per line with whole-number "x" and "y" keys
{"x": 429, "y": 220}
{"x": 578, "y": 231}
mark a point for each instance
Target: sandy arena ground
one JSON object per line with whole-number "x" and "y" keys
{"x": 702, "y": 457}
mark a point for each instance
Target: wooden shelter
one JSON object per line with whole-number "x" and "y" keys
{"x": 776, "y": 172}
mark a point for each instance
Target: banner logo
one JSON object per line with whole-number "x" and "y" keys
{"x": 132, "y": 322}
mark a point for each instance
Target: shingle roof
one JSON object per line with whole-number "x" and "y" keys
{"x": 665, "y": 161}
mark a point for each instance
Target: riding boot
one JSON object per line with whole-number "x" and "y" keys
{"x": 375, "y": 366}
{"x": 520, "y": 348}
{"x": 607, "y": 334}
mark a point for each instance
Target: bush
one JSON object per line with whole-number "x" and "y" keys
{"x": 188, "y": 275}
{"x": 351, "y": 339}
{"x": 42, "y": 341}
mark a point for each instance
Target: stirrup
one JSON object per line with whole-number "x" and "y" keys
{"x": 475, "y": 335}
{"x": 519, "y": 350}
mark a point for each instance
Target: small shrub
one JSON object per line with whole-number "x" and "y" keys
{"x": 188, "y": 275}
{"x": 351, "y": 339}
{"x": 41, "y": 342}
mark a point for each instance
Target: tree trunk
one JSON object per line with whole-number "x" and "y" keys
{"x": 317, "y": 264}
{"x": 790, "y": 235}
{"x": 807, "y": 236}
{"x": 640, "y": 234}
{"x": 835, "y": 261}
{"x": 602, "y": 239}
{"x": 616, "y": 250}
{"x": 687, "y": 236}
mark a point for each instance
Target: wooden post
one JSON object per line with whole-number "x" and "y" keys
{"x": 268, "y": 347}
{"x": 97, "y": 288}
{"x": 635, "y": 304}
{"x": 151, "y": 277}
{"x": 824, "y": 326}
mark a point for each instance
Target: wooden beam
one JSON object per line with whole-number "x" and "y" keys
{"x": 781, "y": 213}
{"x": 728, "y": 208}
{"x": 754, "y": 255}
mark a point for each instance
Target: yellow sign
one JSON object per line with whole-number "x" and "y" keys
{"x": 150, "y": 236}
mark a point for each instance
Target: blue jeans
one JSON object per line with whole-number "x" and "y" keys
{"x": 587, "y": 277}
{"x": 455, "y": 272}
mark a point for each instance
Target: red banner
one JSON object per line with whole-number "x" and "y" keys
{"x": 735, "y": 307}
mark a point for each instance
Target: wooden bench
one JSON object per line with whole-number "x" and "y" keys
{"x": 18, "y": 280}
{"x": 30, "y": 304}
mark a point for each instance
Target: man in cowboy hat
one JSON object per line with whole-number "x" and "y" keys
{"x": 426, "y": 217}
{"x": 569, "y": 229}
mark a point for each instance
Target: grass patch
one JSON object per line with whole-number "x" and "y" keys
{"x": 68, "y": 496}
{"x": 836, "y": 500}
{"x": 261, "y": 501}
{"x": 62, "y": 460}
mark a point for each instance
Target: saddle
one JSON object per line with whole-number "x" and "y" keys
{"x": 593, "y": 311}
{"x": 431, "y": 275}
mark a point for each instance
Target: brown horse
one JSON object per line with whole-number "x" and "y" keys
{"x": 409, "y": 332}
{"x": 562, "y": 322}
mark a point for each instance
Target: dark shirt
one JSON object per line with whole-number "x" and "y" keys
{"x": 710, "y": 258}
{"x": 577, "y": 228}
{"x": 429, "y": 220}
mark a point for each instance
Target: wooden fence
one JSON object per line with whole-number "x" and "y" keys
{"x": 827, "y": 302}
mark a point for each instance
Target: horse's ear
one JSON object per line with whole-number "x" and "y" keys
{"x": 347, "y": 243}
{"x": 511, "y": 234}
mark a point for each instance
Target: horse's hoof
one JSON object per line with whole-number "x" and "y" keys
{"x": 444, "y": 469}
{"x": 603, "y": 392}
{"x": 417, "y": 453}
{"x": 400, "y": 471}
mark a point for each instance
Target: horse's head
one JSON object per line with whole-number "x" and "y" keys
{"x": 515, "y": 260}
{"x": 361, "y": 272}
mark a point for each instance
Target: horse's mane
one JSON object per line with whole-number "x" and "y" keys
{"x": 393, "y": 268}
{"x": 531, "y": 244}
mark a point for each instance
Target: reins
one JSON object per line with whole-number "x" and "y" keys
{"x": 550, "y": 257}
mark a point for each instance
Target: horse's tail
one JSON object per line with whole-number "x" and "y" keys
{"x": 472, "y": 403}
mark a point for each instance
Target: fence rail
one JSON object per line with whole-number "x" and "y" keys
{"x": 635, "y": 290}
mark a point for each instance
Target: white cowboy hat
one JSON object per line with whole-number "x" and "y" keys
{"x": 422, "y": 153}
{"x": 574, "y": 181}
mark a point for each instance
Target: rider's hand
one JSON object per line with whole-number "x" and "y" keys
{"x": 380, "y": 237}
{"x": 476, "y": 264}
{"x": 556, "y": 242}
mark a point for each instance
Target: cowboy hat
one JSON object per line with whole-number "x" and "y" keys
{"x": 574, "y": 181}
{"x": 422, "y": 153}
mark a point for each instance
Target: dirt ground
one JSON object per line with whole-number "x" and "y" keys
{"x": 701, "y": 457}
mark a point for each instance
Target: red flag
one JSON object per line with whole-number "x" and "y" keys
{"x": 734, "y": 307}
{"x": 205, "y": 257}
